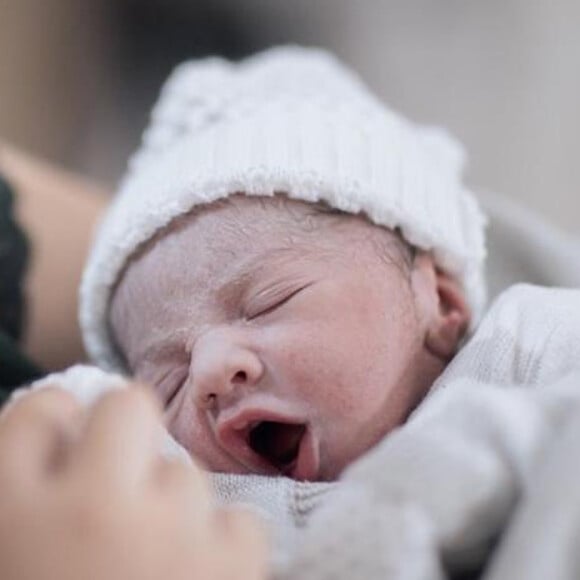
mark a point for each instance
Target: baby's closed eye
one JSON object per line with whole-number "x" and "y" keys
{"x": 271, "y": 299}
{"x": 169, "y": 385}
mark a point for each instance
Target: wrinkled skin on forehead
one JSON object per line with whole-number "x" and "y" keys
{"x": 283, "y": 337}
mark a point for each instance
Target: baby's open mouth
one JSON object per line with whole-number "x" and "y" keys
{"x": 278, "y": 443}
{"x": 270, "y": 443}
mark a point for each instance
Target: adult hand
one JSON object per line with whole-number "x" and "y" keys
{"x": 88, "y": 496}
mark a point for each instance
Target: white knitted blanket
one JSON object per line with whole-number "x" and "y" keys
{"x": 481, "y": 480}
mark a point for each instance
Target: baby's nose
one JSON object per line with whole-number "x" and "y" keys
{"x": 222, "y": 369}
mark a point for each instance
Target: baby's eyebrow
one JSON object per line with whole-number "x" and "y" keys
{"x": 236, "y": 284}
{"x": 246, "y": 274}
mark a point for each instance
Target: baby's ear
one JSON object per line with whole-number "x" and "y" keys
{"x": 446, "y": 309}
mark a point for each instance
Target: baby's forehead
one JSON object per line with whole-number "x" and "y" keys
{"x": 271, "y": 214}
{"x": 254, "y": 223}
{"x": 216, "y": 242}
{"x": 238, "y": 240}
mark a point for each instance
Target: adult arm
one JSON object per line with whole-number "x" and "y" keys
{"x": 57, "y": 211}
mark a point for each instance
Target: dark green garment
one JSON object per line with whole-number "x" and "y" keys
{"x": 15, "y": 368}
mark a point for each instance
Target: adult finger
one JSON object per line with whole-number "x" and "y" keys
{"x": 245, "y": 534}
{"x": 172, "y": 474}
{"x": 120, "y": 442}
{"x": 33, "y": 432}
{"x": 186, "y": 486}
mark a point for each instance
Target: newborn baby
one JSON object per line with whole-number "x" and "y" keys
{"x": 283, "y": 337}
{"x": 289, "y": 263}
{"x": 292, "y": 266}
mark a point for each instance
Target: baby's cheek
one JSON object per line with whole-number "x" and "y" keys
{"x": 186, "y": 428}
{"x": 319, "y": 373}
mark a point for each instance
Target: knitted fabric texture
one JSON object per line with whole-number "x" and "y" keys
{"x": 294, "y": 121}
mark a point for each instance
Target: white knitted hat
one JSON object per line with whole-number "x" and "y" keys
{"x": 289, "y": 120}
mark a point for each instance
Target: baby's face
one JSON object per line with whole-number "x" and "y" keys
{"x": 280, "y": 341}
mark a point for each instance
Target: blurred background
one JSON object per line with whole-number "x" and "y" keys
{"x": 78, "y": 77}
